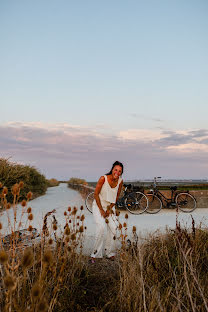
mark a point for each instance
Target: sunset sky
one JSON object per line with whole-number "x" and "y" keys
{"x": 85, "y": 83}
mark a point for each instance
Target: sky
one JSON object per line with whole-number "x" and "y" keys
{"x": 85, "y": 83}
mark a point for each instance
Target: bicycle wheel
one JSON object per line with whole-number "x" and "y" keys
{"x": 154, "y": 203}
{"x": 186, "y": 202}
{"x": 136, "y": 202}
{"x": 89, "y": 200}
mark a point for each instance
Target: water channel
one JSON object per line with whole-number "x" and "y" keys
{"x": 60, "y": 197}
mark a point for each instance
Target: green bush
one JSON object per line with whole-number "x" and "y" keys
{"x": 12, "y": 173}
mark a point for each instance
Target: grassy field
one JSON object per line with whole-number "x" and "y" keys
{"x": 166, "y": 272}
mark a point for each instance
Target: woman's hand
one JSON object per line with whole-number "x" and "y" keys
{"x": 104, "y": 213}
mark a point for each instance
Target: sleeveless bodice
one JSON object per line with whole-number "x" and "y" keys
{"x": 108, "y": 193}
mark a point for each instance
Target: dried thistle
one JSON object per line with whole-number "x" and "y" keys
{"x": 30, "y": 217}
{"x": 54, "y": 227}
{"x": 3, "y": 257}
{"x": 42, "y": 306}
{"x": 24, "y": 203}
{"x": 36, "y": 291}
{"x": 15, "y": 189}
{"x": 81, "y": 229}
{"x": 8, "y": 206}
{"x": 21, "y": 184}
{"x": 9, "y": 282}
{"x": 48, "y": 257}
{"x": 29, "y": 209}
{"x": 67, "y": 231}
{"x": 73, "y": 236}
{"x": 5, "y": 191}
{"x": 30, "y": 228}
{"x": 27, "y": 259}
{"x": 29, "y": 195}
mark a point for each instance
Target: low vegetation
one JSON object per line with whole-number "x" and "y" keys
{"x": 164, "y": 272}
{"x": 52, "y": 182}
{"x": 12, "y": 173}
{"x": 77, "y": 181}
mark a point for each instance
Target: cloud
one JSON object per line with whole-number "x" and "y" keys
{"x": 63, "y": 150}
{"x": 144, "y": 117}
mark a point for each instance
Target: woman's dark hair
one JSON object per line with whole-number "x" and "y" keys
{"x": 116, "y": 163}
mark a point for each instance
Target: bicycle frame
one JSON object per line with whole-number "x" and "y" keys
{"x": 167, "y": 201}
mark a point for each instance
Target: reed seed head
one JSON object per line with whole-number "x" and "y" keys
{"x": 69, "y": 208}
{"x": 81, "y": 208}
{"x": 125, "y": 225}
{"x": 27, "y": 259}
{"x": 50, "y": 241}
{"x": 82, "y": 218}
{"x": 126, "y": 216}
{"x": 134, "y": 229}
{"x": 120, "y": 226}
{"x": 24, "y": 203}
{"x": 1, "y": 226}
{"x": 3, "y": 257}
{"x": 117, "y": 213}
{"x": 106, "y": 220}
{"x": 65, "y": 213}
{"x": 29, "y": 209}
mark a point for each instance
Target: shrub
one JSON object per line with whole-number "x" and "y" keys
{"x": 52, "y": 182}
{"x": 74, "y": 181}
{"x": 12, "y": 173}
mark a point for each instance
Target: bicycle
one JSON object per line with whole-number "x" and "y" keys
{"x": 156, "y": 200}
{"x": 133, "y": 200}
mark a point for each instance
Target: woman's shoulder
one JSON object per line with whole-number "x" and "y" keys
{"x": 102, "y": 179}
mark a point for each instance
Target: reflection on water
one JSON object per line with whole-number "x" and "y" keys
{"x": 58, "y": 198}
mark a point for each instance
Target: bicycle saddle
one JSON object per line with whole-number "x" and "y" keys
{"x": 173, "y": 188}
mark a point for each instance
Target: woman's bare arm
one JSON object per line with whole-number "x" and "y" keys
{"x": 96, "y": 195}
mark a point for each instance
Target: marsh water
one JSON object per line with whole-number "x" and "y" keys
{"x": 60, "y": 197}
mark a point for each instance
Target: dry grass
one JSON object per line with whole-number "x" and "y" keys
{"x": 166, "y": 272}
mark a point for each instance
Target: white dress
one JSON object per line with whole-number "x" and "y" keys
{"x": 107, "y": 196}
